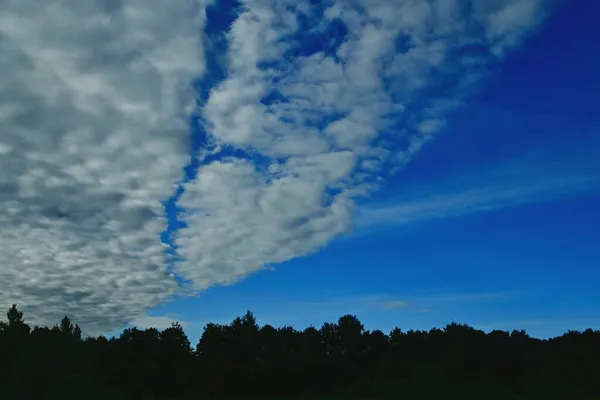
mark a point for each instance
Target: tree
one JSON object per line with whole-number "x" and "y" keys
{"x": 77, "y": 333}
{"x": 211, "y": 342}
{"x": 214, "y": 359}
{"x": 15, "y": 317}
{"x": 65, "y": 326}
{"x": 340, "y": 360}
{"x": 16, "y": 323}
{"x": 175, "y": 339}
{"x": 350, "y": 331}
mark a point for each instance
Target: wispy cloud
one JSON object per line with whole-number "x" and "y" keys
{"x": 471, "y": 297}
{"x": 396, "y": 304}
{"x": 430, "y": 303}
{"x": 424, "y": 310}
{"x": 507, "y": 191}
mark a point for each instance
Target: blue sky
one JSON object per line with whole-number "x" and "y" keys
{"x": 493, "y": 223}
{"x": 413, "y": 162}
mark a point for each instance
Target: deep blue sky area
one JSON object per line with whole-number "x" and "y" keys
{"x": 516, "y": 257}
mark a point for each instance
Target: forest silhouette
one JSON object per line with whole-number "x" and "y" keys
{"x": 340, "y": 360}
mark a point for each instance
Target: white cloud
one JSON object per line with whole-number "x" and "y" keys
{"x": 472, "y": 197}
{"x": 295, "y": 193}
{"x": 93, "y": 136}
{"x": 246, "y": 221}
{"x": 396, "y": 304}
{"x": 93, "y": 103}
{"x": 509, "y": 21}
{"x": 434, "y": 301}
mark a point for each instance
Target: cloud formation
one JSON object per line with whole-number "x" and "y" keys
{"x": 321, "y": 124}
{"x": 94, "y": 136}
{"x": 396, "y": 304}
{"x": 430, "y": 303}
{"x": 509, "y": 190}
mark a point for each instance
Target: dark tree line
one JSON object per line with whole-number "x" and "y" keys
{"x": 338, "y": 361}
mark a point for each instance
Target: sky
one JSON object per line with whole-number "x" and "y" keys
{"x": 410, "y": 162}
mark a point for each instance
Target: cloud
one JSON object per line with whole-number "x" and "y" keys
{"x": 506, "y": 24}
{"x": 93, "y": 103}
{"x": 396, "y": 304}
{"x": 317, "y": 125}
{"x": 428, "y": 304}
{"x": 474, "y": 197}
{"x": 424, "y": 311}
{"x": 470, "y": 297}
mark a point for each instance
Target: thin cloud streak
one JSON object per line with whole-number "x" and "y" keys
{"x": 424, "y": 304}
{"x": 472, "y": 297}
{"x": 472, "y": 200}
{"x": 396, "y": 304}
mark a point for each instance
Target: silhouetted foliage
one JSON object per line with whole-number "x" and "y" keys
{"x": 340, "y": 360}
